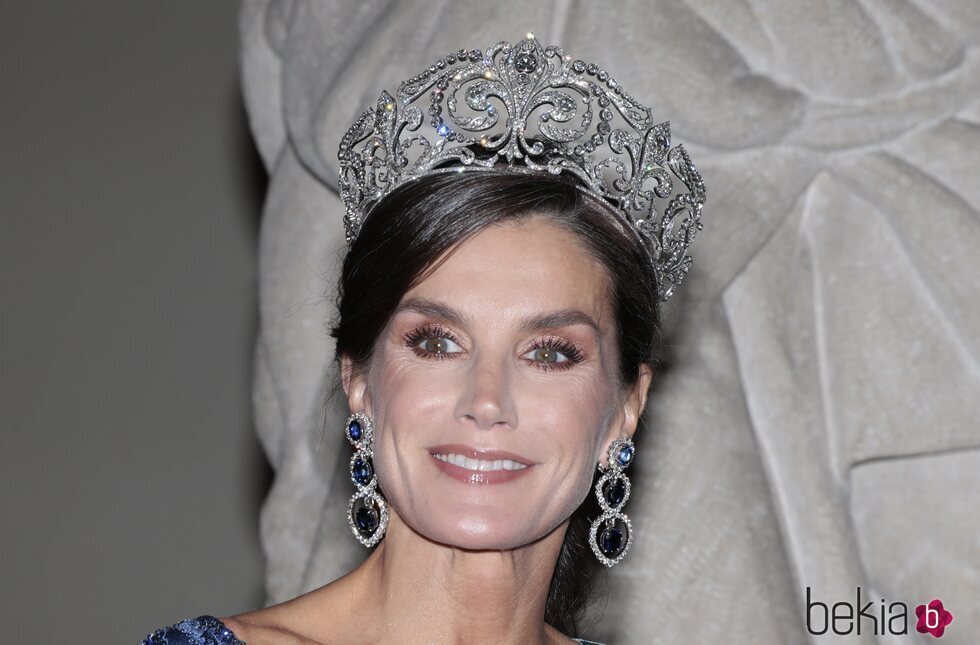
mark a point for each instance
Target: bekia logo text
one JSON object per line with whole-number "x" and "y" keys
{"x": 844, "y": 618}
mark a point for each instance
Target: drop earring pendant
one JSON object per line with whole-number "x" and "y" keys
{"x": 367, "y": 512}
{"x": 611, "y": 534}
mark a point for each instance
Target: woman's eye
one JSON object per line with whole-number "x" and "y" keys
{"x": 436, "y": 342}
{"x": 439, "y": 345}
{"x": 547, "y": 355}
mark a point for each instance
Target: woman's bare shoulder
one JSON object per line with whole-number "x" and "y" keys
{"x": 313, "y": 618}
{"x": 265, "y": 626}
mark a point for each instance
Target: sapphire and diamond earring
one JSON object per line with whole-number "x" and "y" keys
{"x": 612, "y": 533}
{"x": 367, "y": 512}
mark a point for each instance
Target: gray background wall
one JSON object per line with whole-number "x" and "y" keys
{"x": 130, "y": 476}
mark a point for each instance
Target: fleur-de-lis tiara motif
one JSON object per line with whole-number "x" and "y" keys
{"x": 534, "y": 109}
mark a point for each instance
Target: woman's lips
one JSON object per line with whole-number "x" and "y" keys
{"x": 472, "y": 466}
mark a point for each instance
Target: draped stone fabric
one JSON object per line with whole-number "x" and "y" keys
{"x": 819, "y": 425}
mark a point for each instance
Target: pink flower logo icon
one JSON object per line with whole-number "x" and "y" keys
{"x": 933, "y": 618}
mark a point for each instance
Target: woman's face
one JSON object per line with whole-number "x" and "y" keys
{"x": 493, "y": 389}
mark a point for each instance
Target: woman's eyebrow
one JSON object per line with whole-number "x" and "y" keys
{"x": 550, "y": 320}
{"x": 560, "y": 318}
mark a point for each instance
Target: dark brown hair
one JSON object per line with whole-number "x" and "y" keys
{"x": 407, "y": 232}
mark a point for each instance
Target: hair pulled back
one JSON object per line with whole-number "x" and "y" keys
{"x": 402, "y": 241}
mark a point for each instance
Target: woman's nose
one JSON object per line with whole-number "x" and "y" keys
{"x": 485, "y": 397}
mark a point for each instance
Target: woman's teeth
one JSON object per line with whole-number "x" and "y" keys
{"x": 480, "y": 464}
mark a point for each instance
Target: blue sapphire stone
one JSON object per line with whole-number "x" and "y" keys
{"x": 361, "y": 471}
{"x": 614, "y": 491}
{"x": 625, "y": 455}
{"x": 366, "y": 520}
{"x": 354, "y": 430}
{"x": 612, "y": 541}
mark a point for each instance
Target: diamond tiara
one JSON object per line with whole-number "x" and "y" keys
{"x": 532, "y": 108}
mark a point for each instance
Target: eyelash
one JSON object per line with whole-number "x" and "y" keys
{"x": 429, "y": 331}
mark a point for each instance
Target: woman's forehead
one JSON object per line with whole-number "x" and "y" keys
{"x": 518, "y": 269}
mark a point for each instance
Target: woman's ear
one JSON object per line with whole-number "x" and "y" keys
{"x": 627, "y": 419}
{"x": 355, "y": 385}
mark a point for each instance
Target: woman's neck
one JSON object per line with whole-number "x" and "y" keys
{"x": 413, "y": 590}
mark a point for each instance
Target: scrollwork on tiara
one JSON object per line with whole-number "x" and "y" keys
{"x": 537, "y": 110}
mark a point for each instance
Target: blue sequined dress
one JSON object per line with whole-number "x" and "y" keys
{"x": 208, "y": 630}
{"x": 203, "y": 630}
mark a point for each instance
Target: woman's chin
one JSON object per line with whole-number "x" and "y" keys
{"x": 478, "y": 534}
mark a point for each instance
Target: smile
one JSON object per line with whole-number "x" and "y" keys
{"x": 479, "y": 464}
{"x": 471, "y": 466}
